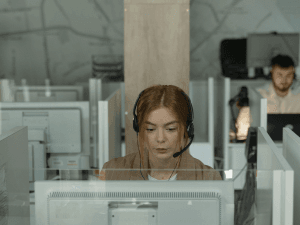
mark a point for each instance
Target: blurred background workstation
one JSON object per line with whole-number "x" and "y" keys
{"x": 71, "y": 73}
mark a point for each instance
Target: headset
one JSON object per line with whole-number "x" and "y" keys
{"x": 189, "y": 125}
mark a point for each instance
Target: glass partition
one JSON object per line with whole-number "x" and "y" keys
{"x": 66, "y": 198}
{"x": 71, "y": 198}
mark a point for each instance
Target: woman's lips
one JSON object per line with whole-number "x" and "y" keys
{"x": 161, "y": 150}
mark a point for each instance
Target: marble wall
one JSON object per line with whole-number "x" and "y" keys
{"x": 56, "y": 39}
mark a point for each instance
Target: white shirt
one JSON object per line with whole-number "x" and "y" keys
{"x": 171, "y": 179}
{"x": 276, "y": 104}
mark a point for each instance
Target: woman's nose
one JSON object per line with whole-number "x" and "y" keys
{"x": 160, "y": 135}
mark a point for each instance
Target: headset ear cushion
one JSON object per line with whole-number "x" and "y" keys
{"x": 191, "y": 130}
{"x": 135, "y": 125}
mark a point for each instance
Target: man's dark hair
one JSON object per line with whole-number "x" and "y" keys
{"x": 283, "y": 61}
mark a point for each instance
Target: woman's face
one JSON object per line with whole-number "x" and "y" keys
{"x": 162, "y": 131}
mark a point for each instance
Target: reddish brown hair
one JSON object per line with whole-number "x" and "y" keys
{"x": 158, "y": 96}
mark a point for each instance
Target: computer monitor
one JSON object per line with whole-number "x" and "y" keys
{"x": 275, "y": 183}
{"x": 276, "y": 123}
{"x": 58, "y": 93}
{"x": 261, "y": 47}
{"x": 291, "y": 152}
{"x": 65, "y": 125}
{"x": 134, "y": 202}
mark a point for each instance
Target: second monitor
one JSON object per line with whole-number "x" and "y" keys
{"x": 59, "y": 130}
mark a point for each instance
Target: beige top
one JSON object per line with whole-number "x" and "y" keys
{"x": 190, "y": 168}
{"x": 276, "y": 104}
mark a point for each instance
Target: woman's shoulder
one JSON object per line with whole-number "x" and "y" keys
{"x": 121, "y": 162}
{"x": 207, "y": 172}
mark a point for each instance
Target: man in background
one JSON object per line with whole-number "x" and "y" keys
{"x": 282, "y": 94}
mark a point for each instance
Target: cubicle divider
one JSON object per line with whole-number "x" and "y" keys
{"x": 234, "y": 153}
{"x": 201, "y": 94}
{"x": 101, "y": 91}
{"x": 258, "y": 112}
{"x": 14, "y": 179}
{"x": 95, "y": 95}
{"x": 258, "y": 109}
{"x": 109, "y": 129}
{"x": 291, "y": 152}
{"x": 275, "y": 183}
{"x": 225, "y": 123}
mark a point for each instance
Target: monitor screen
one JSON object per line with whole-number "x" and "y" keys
{"x": 134, "y": 202}
{"x": 261, "y": 47}
{"x": 276, "y": 123}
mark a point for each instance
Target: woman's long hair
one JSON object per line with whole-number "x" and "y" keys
{"x": 158, "y": 96}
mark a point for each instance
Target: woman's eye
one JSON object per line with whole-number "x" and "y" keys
{"x": 170, "y": 129}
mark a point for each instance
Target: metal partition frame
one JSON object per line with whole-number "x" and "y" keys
{"x": 226, "y": 119}
{"x": 211, "y": 114}
{"x": 95, "y": 95}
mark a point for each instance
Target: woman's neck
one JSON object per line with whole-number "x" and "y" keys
{"x": 162, "y": 176}
{"x": 163, "y": 168}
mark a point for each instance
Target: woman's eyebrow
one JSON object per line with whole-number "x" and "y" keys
{"x": 147, "y": 122}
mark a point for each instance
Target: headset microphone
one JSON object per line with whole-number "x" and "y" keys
{"x": 179, "y": 153}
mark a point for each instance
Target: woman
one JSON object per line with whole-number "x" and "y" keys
{"x": 163, "y": 117}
